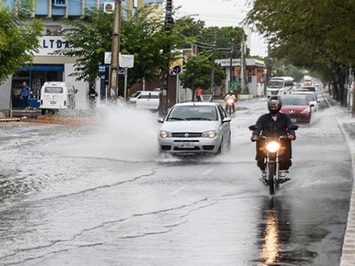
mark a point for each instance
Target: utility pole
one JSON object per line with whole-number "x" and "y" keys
{"x": 164, "y": 97}
{"x": 115, "y": 49}
{"x": 231, "y": 74}
{"x": 268, "y": 69}
{"x": 242, "y": 64}
{"x": 351, "y": 88}
{"x": 213, "y": 58}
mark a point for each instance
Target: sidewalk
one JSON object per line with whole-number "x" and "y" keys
{"x": 347, "y": 125}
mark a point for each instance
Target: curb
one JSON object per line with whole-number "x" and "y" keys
{"x": 9, "y": 119}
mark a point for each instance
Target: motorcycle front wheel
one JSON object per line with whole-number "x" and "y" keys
{"x": 270, "y": 179}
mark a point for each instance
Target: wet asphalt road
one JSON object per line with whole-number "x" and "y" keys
{"x": 102, "y": 196}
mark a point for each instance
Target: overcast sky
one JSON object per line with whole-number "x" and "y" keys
{"x": 221, "y": 13}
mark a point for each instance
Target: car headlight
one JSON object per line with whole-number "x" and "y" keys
{"x": 164, "y": 134}
{"x": 306, "y": 111}
{"x": 209, "y": 134}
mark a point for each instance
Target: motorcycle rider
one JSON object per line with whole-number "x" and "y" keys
{"x": 230, "y": 95}
{"x": 274, "y": 124}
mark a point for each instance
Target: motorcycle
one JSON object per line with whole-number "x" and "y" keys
{"x": 230, "y": 104}
{"x": 273, "y": 149}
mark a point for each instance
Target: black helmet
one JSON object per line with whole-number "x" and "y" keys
{"x": 274, "y": 104}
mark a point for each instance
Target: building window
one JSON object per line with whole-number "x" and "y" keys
{"x": 59, "y": 3}
{"x": 52, "y": 30}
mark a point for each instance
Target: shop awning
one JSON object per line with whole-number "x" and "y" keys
{"x": 42, "y": 68}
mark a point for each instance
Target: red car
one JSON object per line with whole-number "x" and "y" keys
{"x": 297, "y": 107}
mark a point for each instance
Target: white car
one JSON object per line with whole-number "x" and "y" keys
{"x": 195, "y": 128}
{"x": 145, "y": 100}
{"x": 312, "y": 98}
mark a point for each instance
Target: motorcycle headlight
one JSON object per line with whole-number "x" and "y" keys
{"x": 306, "y": 111}
{"x": 273, "y": 146}
{"x": 209, "y": 134}
{"x": 164, "y": 134}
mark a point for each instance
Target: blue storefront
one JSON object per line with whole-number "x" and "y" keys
{"x": 35, "y": 75}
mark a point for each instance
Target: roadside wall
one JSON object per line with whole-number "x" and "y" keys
{"x": 5, "y": 94}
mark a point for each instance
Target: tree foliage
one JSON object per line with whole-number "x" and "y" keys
{"x": 315, "y": 35}
{"x": 18, "y": 38}
{"x": 194, "y": 32}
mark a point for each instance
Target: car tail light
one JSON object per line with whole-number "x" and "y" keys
{"x": 65, "y": 102}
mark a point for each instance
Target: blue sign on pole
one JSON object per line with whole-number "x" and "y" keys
{"x": 102, "y": 69}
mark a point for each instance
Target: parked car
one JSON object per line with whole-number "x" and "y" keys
{"x": 312, "y": 97}
{"x": 145, "y": 100}
{"x": 297, "y": 107}
{"x": 195, "y": 128}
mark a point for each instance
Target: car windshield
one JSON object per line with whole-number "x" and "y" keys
{"x": 193, "y": 112}
{"x": 310, "y": 96}
{"x": 135, "y": 94}
{"x": 294, "y": 101}
{"x": 275, "y": 84}
{"x": 310, "y": 88}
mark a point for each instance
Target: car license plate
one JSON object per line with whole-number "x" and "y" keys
{"x": 186, "y": 145}
{"x": 293, "y": 120}
{"x": 53, "y": 102}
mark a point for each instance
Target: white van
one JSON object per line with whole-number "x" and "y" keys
{"x": 145, "y": 100}
{"x": 57, "y": 96}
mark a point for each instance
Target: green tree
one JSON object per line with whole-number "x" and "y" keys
{"x": 315, "y": 35}
{"x": 18, "y": 38}
{"x": 198, "y": 74}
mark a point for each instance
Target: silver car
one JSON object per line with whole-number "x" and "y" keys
{"x": 195, "y": 127}
{"x": 312, "y": 98}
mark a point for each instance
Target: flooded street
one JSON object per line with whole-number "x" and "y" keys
{"x": 102, "y": 195}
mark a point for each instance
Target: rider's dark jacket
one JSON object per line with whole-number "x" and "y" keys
{"x": 271, "y": 128}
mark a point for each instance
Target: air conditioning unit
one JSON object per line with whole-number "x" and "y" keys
{"x": 109, "y": 7}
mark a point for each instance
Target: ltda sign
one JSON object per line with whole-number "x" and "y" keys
{"x": 125, "y": 60}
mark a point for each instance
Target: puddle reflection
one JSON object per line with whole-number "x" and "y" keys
{"x": 275, "y": 231}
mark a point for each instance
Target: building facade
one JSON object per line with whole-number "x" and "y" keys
{"x": 48, "y": 67}
{"x": 253, "y": 74}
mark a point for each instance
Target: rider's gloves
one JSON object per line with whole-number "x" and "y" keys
{"x": 291, "y": 137}
{"x": 254, "y": 138}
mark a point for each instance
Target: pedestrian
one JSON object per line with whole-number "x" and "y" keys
{"x": 199, "y": 94}
{"x": 25, "y": 94}
{"x": 92, "y": 96}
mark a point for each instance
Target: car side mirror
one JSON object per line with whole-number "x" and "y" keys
{"x": 160, "y": 120}
{"x": 227, "y": 120}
